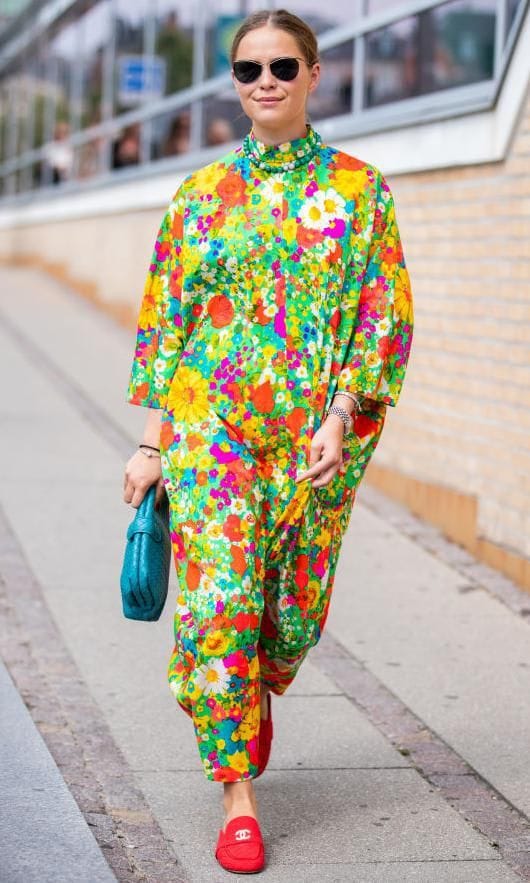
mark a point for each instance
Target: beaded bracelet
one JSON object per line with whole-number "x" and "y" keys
{"x": 350, "y": 396}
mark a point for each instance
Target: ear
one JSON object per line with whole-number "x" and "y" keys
{"x": 315, "y": 77}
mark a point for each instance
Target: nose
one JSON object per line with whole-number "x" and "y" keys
{"x": 266, "y": 79}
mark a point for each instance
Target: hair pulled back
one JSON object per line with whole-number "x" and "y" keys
{"x": 285, "y": 21}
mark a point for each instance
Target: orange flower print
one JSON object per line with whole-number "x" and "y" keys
{"x": 231, "y": 189}
{"x": 220, "y": 310}
{"x": 277, "y": 278}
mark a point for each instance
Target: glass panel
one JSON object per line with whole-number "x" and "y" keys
{"x": 90, "y": 159}
{"x": 321, "y": 15}
{"x": 223, "y": 119}
{"x": 333, "y": 95}
{"x": 457, "y": 43}
{"x": 173, "y": 44}
{"x": 391, "y": 65}
{"x": 41, "y": 92}
{"x": 171, "y": 133}
{"x": 25, "y": 133}
{"x": 4, "y": 110}
{"x": 126, "y": 147}
{"x": 95, "y": 33}
{"x": 511, "y": 10}
{"x": 133, "y": 79}
{"x": 381, "y": 5}
{"x": 450, "y": 45}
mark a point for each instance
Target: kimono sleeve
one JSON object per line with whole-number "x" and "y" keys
{"x": 378, "y": 349}
{"x": 159, "y": 335}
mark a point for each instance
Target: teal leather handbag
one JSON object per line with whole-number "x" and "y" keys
{"x": 145, "y": 572}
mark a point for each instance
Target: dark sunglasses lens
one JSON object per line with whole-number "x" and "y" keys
{"x": 285, "y": 68}
{"x": 247, "y": 71}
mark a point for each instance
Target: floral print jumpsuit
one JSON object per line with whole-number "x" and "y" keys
{"x": 277, "y": 280}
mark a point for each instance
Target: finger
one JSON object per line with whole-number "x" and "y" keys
{"x": 128, "y": 492}
{"x": 139, "y": 493}
{"x": 322, "y": 466}
{"x": 325, "y": 477}
{"x": 315, "y": 460}
{"x": 160, "y": 492}
{"x": 316, "y": 452}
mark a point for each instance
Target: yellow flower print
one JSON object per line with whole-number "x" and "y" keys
{"x": 248, "y": 726}
{"x": 188, "y": 396}
{"x": 403, "y": 296}
{"x": 239, "y": 761}
{"x": 207, "y": 179}
{"x": 289, "y": 229}
{"x": 150, "y": 302}
{"x": 253, "y": 667}
{"x": 349, "y": 183}
{"x": 372, "y": 359}
{"x": 216, "y": 643}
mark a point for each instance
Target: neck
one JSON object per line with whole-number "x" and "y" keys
{"x": 281, "y": 134}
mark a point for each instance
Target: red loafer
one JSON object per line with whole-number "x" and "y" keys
{"x": 264, "y": 739}
{"x": 240, "y": 848}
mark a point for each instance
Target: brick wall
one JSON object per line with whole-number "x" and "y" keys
{"x": 459, "y": 438}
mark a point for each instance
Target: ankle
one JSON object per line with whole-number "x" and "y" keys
{"x": 241, "y": 806}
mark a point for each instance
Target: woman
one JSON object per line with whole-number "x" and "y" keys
{"x": 277, "y": 305}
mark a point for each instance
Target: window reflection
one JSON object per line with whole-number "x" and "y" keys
{"x": 174, "y": 44}
{"x": 129, "y": 37}
{"x": 102, "y": 58}
{"x": 222, "y": 118}
{"x": 446, "y": 46}
{"x": 126, "y": 149}
{"x": 171, "y": 133}
{"x": 334, "y": 94}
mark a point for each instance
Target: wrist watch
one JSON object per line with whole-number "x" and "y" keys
{"x": 346, "y": 418}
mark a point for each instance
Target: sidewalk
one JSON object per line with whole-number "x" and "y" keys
{"x": 401, "y": 750}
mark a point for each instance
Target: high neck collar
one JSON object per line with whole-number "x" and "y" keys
{"x": 286, "y": 156}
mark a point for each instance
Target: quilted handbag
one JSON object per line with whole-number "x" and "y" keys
{"x": 145, "y": 571}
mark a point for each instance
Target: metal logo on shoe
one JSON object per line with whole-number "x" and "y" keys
{"x": 243, "y": 834}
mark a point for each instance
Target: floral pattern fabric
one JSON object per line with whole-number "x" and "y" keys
{"x": 277, "y": 280}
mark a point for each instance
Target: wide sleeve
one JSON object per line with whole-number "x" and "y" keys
{"x": 159, "y": 335}
{"x": 378, "y": 348}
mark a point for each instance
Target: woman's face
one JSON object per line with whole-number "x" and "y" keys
{"x": 273, "y": 104}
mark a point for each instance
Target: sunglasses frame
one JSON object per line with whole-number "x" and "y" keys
{"x": 268, "y": 64}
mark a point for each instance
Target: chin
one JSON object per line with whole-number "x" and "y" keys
{"x": 271, "y": 117}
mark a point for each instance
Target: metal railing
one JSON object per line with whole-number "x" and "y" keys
{"x": 358, "y": 120}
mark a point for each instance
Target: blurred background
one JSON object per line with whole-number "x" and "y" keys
{"x": 88, "y": 88}
{"x": 106, "y": 104}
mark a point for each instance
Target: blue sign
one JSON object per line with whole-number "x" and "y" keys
{"x": 140, "y": 78}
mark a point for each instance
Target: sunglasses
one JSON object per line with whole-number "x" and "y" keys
{"x": 282, "y": 68}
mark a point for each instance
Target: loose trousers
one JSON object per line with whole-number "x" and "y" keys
{"x": 256, "y": 555}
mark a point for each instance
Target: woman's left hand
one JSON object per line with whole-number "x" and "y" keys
{"x": 325, "y": 455}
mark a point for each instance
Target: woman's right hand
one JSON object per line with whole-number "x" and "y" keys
{"x": 140, "y": 473}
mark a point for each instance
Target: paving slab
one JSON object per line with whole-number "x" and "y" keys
{"x": 43, "y": 835}
{"x": 323, "y": 815}
{"x": 460, "y": 659}
{"x": 358, "y": 798}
